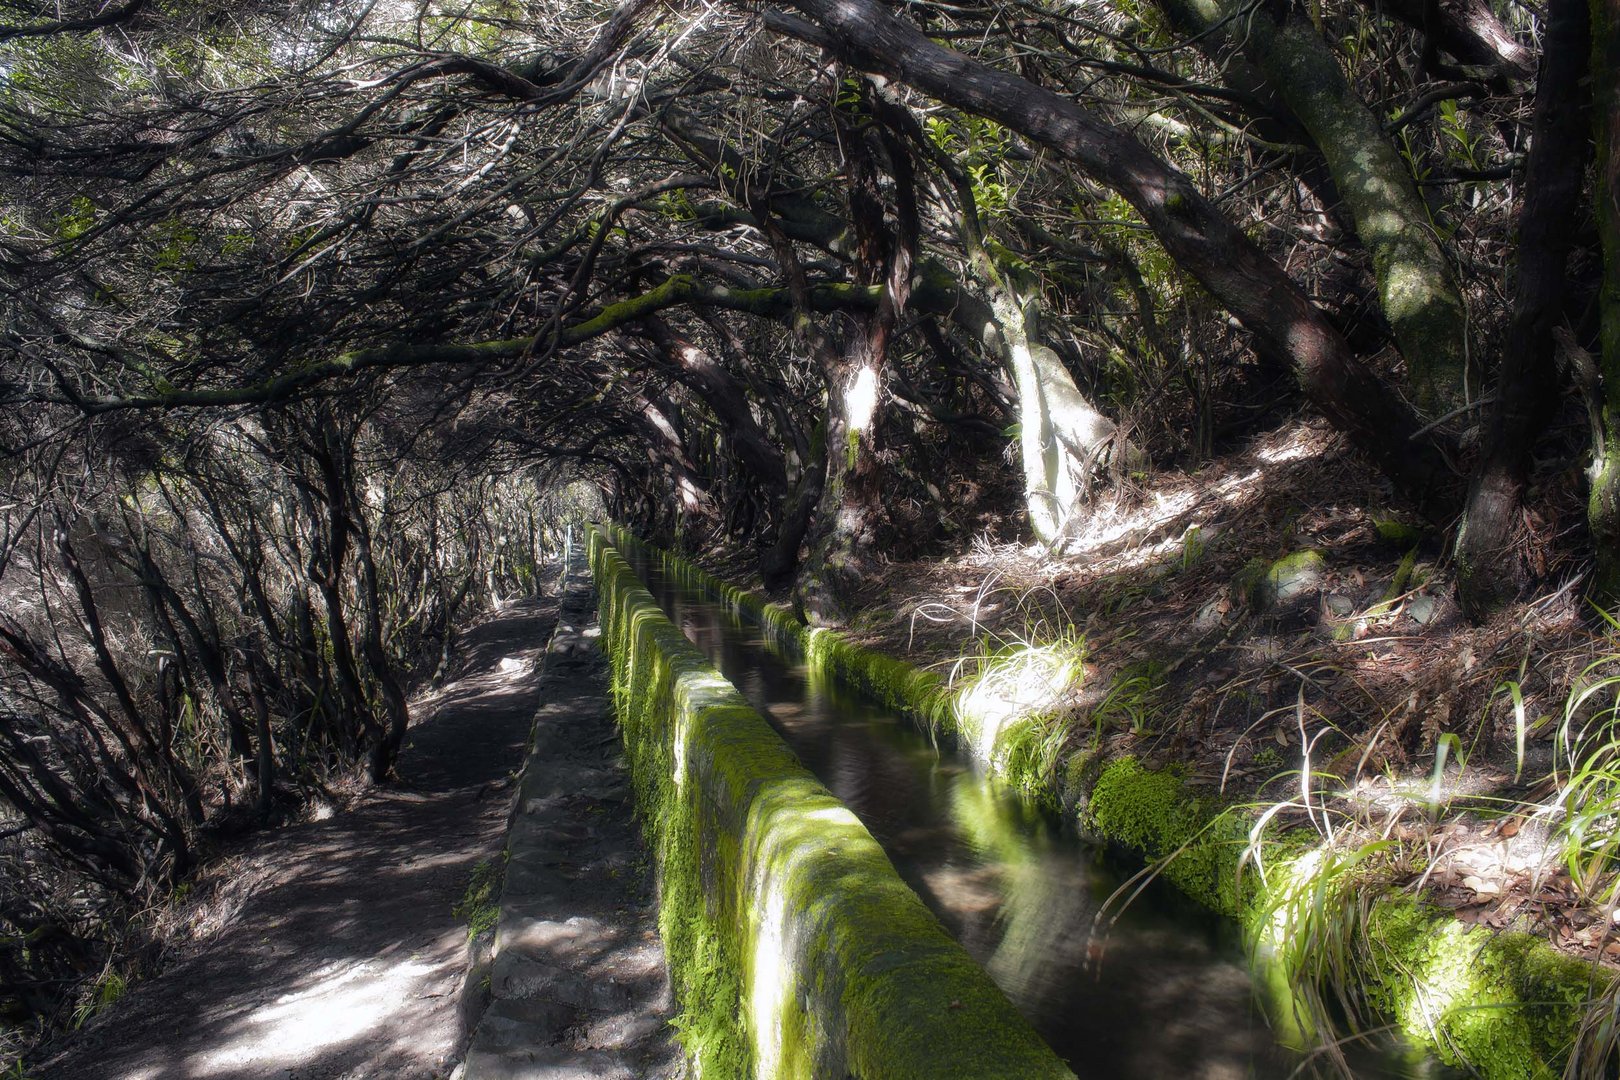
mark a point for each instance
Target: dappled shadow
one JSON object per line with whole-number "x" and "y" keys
{"x": 577, "y": 984}
{"x": 348, "y": 962}
{"x": 1161, "y": 987}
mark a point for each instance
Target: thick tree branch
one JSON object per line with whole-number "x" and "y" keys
{"x": 1195, "y": 233}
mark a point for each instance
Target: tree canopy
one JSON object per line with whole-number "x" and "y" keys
{"x": 318, "y": 316}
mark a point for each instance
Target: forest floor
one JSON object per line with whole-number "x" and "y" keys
{"x": 328, "y": 950}
{"x": 1213, "y": 642}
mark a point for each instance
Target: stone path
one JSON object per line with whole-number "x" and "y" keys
{"x": 342, "y": 960}
{"x": 577, "y": 977}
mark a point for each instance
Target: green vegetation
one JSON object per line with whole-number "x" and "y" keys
{"x": 1335, "y": 939}
{"x": 479, "y": 906}
{"x": 105, "y": 992}
{"x": 794, "y": 948}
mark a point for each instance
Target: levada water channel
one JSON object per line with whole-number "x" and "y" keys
{"x": 1167, "y": 990}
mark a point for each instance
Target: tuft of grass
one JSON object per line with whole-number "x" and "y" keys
{"x": 1585, "y": 807}
{"x": 105, "y": 992}
{"x": 1309, "y": 933}
{"x": 1016, "y": 697}
{"x": 1131, "y": 701}
{"x": 1313, "y": 935}
{"x": 479, "y": 905}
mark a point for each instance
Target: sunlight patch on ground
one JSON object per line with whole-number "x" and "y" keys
{"x": 1116, "y": 524}
{"x": 1128, "y": 525}
{"x": 343, "y": 1004}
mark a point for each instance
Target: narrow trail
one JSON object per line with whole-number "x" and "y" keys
{"x": 345, "y": 962}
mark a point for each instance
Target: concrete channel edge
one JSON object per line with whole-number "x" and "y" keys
{"x": 1502, "y": 1003}
{"x": 794, "y": 947}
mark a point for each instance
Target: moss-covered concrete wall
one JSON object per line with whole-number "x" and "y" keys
{"x": 892, "y": 683}
{"x": 1504, "y": 1004}
{"x": 795, "y": 949}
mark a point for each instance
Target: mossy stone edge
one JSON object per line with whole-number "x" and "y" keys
{"x": 1503, "y": 1003}
{"x": 794, "y": 948}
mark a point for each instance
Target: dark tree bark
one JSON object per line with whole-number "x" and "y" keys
{"x": 1467, "y": 29}
{"x": 1491, "y": 569}
{"x": 374, "y": 646}
{"x": 159, "y": 762}
{"x": 1417, "y": 291}
{"x": 779, "y": 563}
{"x": 726, "y": 397}
{"x": 1603, "y": 510}
{"x": 1193, "y": 231}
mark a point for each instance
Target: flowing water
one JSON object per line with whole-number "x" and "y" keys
{"x": 1166, "y": 991}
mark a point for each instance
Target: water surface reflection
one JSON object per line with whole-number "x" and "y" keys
{"x": 1166, "y": 991}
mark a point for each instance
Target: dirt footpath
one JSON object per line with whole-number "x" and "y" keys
{"x": 345, "y": 961}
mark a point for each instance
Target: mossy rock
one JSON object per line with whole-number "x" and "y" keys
{"x": 1400, "y": 535}
{"x": 1286, "y": 586}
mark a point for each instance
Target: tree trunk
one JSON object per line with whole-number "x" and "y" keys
{"x": 1491, "y": 570}
{"x": 850, "y": 509}
{"x": 727, "y": 399}
{"x": 266, "y": 773}
{"x": 845, "y": 531}
{"x": 1062, "y": 437}
{"x": 1603, "y": 510}
{"x": 385, "y": 748}
{"x": 1193, "y": 231}
{"x": 1416, "y": 289}
{"x": 1467, "y": 29}
{"x": 666, "y": 453}
{"x": 779, "y": 564}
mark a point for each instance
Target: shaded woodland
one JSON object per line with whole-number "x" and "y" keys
{"x": 322, "y": 320}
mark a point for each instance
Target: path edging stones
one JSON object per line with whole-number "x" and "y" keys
{"x": 571, "y": 984}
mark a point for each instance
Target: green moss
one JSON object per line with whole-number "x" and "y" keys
{"x": 1506, "y": 1004}
{"x": 1399, "y": 534}
{"x": 1152, "y": 813}
{"x": 794, "y": 948}
{"x": 479, "y": 905}
{"x": 1262, "y": 585}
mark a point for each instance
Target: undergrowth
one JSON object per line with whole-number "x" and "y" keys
{"x": 479, "y": 906}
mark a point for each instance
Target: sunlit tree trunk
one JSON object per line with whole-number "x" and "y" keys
{"x": 842, "y": 535}
{"x": 1467, "y": 29}
{"x": 691, "y": 507}
{"x": 1062, "y": 437}
{"x": 1416, "y": 289}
